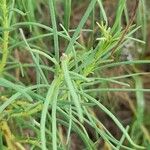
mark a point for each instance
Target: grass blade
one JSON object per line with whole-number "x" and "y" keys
{"x": 54, "y": 24}
{"x": 71, "y": 87}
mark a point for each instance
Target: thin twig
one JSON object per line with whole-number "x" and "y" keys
{"x": 127, "y": 27}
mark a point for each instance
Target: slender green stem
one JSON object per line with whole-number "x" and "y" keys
{"x": 67, "y": 13}
{"x": 54, "y": 24}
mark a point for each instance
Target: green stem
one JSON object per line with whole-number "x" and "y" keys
{"x": 5, "y": 26}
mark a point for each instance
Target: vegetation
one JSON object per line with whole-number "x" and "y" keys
{"x": 69, "y": 71}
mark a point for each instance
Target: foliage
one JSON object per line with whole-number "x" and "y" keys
{"x": 51, "y": 83}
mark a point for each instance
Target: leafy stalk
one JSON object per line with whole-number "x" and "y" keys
{"x": 5, "y": 36}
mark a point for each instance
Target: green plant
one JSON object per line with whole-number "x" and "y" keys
{"x": 65, "y": 92}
